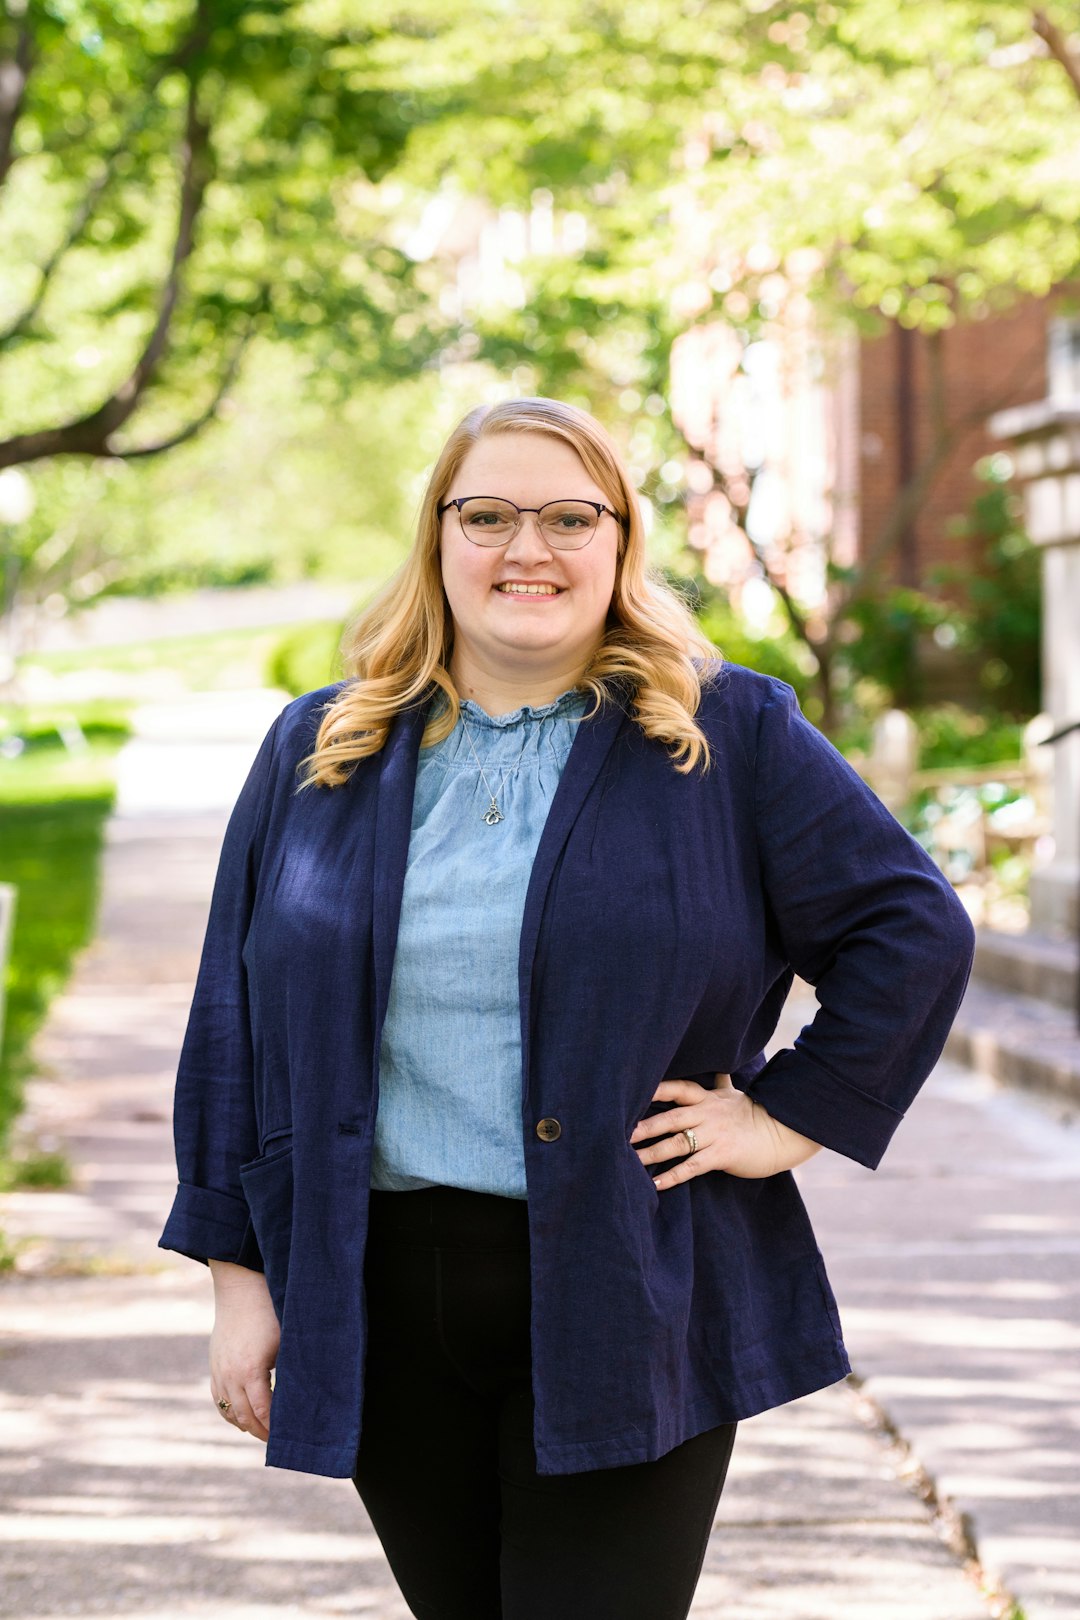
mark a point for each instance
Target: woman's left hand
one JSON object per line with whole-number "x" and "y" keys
{"x": 733, "y": 1132}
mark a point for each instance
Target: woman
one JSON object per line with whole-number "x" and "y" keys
{"x": 473, "y": 1122}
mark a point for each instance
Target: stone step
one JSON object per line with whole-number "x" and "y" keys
{"x": 1018, "y": 1040}
{"x": 1029, "y": 964}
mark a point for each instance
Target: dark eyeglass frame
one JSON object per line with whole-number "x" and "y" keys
{"x": 461, "y": 500}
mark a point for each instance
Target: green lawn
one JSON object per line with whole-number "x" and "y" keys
{"x": 209, "y": 661}
{"x": 53, "y": 808}
{"x": 54, "y": 802}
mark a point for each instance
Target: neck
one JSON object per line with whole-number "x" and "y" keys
{"x": 501, "y": 691}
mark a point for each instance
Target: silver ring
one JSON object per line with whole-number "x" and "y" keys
{"x": 691, "y": 1138}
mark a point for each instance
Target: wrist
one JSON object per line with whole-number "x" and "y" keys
{"x": 790, "y": 1148}
{"x": 229, "y": 1277}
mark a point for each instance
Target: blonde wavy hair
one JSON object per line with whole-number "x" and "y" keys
{"x": 396, "y": 652}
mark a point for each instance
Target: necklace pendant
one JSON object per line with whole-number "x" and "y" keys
{"x": 493, "y": 814}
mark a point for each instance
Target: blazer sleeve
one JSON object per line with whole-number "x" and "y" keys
{"x": 863, "y": 915}
{"x": 214, "y": 1123}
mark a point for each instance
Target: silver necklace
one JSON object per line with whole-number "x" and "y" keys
{"x": 493, "y": 815}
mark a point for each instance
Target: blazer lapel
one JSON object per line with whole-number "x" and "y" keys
{"x": 393, "y": 826}
{"x": 589, "y": 750}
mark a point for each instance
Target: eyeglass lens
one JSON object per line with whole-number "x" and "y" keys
{"x": 564, "y": 524}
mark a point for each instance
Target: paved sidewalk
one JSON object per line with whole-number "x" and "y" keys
{"x": 125, "y": 1495}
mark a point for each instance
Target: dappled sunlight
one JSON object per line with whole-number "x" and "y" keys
{"x": 979, "y": 1333}
{"x": 1021, "y": 1221}
{"x": 285, "y": 1545}
{"x": 122, "y": 1465}
{"x": 1009, "y": 1288}
{"x": 1050, "y": 1390}
{"x": 71, "y": 1529}
{"x": 864, "y": 1570}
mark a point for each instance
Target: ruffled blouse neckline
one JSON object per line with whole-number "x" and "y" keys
{"x": 564, "y": 704}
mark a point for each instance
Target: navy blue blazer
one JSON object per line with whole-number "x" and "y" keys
{"x": 664, "y": 917}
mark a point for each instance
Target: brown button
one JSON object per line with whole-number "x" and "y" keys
{"x": 549, "y": 1130}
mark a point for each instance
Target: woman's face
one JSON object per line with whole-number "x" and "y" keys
{"x": 559, "y": 627}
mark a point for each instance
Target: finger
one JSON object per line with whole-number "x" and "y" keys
{"x": 228, "y": 1412}
{"x": 257, "y": 1391}
{"x": 239, "y": 1414}
{"x": 685, "y": 1170}
{"x": 676, "y": 1146}
{"x": 674, "y": 1119}
{"x": 678, "y": 1090}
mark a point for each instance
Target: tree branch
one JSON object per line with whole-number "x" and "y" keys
{"x": 791, "y": 607}
{"x": 178, "y": 60}
{"x": 228, "y": 377}
{"x": 84, "y": 212}
{"x": 739, "y": 511}
{"x": 1058, "y": 46}
{"x": 90, "y": 435}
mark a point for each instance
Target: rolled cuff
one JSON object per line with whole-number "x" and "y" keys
{"x": 207, "y": 1225}
{"x": 801, "y": 1094}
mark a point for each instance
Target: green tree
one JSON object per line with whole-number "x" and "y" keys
{"x": 177, "y": 179}
{"x": 911, "y": 164}
{"x": 180, "y": 178}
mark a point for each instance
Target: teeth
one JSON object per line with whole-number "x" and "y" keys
{"x": 528, "y": 590}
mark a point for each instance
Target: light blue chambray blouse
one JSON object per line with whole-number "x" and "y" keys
{"x": 449, "y": 1109}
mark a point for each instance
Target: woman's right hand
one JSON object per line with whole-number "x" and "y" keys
{"x": 243, "y": 1346}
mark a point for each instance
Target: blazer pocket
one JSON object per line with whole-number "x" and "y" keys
{"x": 268, "y": 1188}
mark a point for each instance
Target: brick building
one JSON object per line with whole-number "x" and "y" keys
{"x": 918, "y": 393}
{"x": 836, "y": 427}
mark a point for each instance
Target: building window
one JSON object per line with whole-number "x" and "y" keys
{"x": 1063, "y": 358}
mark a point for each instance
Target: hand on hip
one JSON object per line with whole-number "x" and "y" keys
{"x": 724, "y": 1129}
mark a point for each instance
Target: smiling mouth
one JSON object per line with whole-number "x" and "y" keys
{"x": 511, "y": 589}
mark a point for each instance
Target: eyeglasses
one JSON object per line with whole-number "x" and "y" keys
{"x": 490, "y": 521}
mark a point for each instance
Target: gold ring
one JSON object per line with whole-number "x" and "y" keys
{"x": 224, "y": 1404}
{"x": 691, "y": 1138}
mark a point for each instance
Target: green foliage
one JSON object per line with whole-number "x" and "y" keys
{"x": 35, "y": 1169}
{"x": 44, "y": 730}
{"x": 293, "y": 140}
{"x": 278, "y": 491}
{"x": 779, "y": 654}
{"x": 1002, "y": 620}
{"x": 914, "y": 163}
{"x": 307, "y": 658}
{"x": 799, "y": 129}
{"x": 883, "y": 638}
{"x": 53, "y": 809}
{"x": 214, "y": 660}
{"x": 990, "y": 613}
{"x": 950, "y": 735}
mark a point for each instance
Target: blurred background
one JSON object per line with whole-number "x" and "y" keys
{"x": 804, "y": 261}
{"x": 256, "y": 259}
{"x": 816, "y": 266}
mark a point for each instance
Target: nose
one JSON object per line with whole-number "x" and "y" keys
{"x": 529, "y": 542}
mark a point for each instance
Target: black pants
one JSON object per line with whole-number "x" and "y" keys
{"x": 446, "y": 1466}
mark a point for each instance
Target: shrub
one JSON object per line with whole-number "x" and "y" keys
{"x": 307, "y": 658}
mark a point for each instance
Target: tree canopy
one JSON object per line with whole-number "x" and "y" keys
{"x": 181, "y": 180}
{"x": 180, "y": 175}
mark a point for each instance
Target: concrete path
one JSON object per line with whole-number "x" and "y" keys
{"x": 115, "y": 620}
{"x": 125, "y": 1495}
